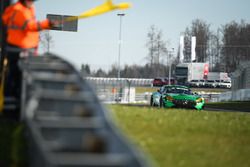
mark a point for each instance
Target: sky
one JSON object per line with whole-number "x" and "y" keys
{"x": 97, "y": 39}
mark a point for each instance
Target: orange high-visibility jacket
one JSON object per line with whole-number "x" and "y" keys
{"x": 22, "y": 26}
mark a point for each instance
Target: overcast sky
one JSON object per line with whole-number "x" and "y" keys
{"x": 96, "y": 42}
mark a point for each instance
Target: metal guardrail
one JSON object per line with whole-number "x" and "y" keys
{"x": 110, "y": 90}
{"x": 109, "y": 97}
{"x": 67, "y": 125}
{"x": 120, "y": 81}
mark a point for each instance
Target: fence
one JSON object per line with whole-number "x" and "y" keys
{"x": 126, "y": 96}
{"x": 120, "y": 81}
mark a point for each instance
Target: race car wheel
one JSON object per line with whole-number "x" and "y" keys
{"x": 161, "y": 103}
{"x": 151, "y": 101}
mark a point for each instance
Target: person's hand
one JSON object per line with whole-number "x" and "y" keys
{"x": 55, "y": 24}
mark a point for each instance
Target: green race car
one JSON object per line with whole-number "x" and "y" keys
{"x": 177, "y": 96}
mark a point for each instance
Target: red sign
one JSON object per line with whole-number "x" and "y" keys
{"x": 206, "y": 70}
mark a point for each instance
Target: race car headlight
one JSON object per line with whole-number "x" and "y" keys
{"x": 199, "y": 100}
{"x": 169, "y": 98}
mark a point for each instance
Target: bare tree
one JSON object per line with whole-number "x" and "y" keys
{"x": 46, "y": 41}
{"x": 151, "y": 44}
{"x": 157, "y": 50}
{"x": 214, "y": 52}
{"x": 199, "y": 29}
{"x": 187, "y": 45}
{"x": 236, "y": 44}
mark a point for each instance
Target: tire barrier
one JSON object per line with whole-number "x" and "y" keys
{"x": 67, "y": 125}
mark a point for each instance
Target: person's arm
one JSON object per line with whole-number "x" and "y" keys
{"x": 26, "y": 23}
{"x": 6, "y": 15}
{"x": 34, "y": 25}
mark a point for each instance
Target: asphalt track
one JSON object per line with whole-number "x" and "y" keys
{"x": 206, "y": 108}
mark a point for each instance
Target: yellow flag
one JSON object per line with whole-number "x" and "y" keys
{"x": 104, "y": 8}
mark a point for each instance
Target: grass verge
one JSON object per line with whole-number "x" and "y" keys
{"x": 12, "y": 144}
{"x": 172, "y": 137}
{"x": 189, "y": 138}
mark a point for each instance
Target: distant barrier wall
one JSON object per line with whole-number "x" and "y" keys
{"x": 241, "y": 77}
{"x": 237, "y": 95}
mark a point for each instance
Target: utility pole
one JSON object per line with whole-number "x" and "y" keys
{"x": 119, "y": 84}
{"x": 120, "y": 41}
{"x": 169, "y": 71}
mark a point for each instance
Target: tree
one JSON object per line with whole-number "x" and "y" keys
{"x": 100, "y": 73}
{"x": 214, "y": 52}
{"x": 187, "y": 45}
{"x": 85, "y": 69}
{"x": 151, "y": 44}
{"x": 46, "y": 41}
{"x": 199, "y": 29}
{"x": 114, "y": 71}
{"x": 157, "y": 50}
{"x": 236, "y": 45}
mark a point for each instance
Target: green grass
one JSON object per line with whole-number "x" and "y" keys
{"x": 188, "y": 138}
{"x": 145, "y": 89}
{"x": 172, "y": 137}
{"x": 12, "y": 144}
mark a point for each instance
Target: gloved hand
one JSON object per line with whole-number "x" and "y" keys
{"x": 55, "y": 24}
